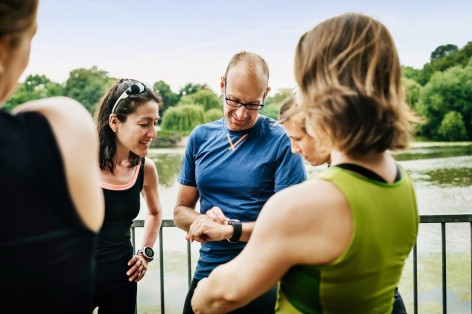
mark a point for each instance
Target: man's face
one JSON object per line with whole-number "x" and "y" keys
{"x": 303, "y": 144}
{"x": 246, "y": 85}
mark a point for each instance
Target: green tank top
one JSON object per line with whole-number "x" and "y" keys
{"x": 363, "y": 278}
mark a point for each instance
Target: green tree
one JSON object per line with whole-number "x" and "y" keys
{"x": 452, "y": 127}
{"x": 34, "y": 87}
{"x": 87, "y": 86}
{"x": 183, "y": 118}
{"x": 450, "y": 58}
{"x": 169, "y": 98}
{"x": 203, "y": 97}
{"x": 213, "y": 114}
{"x": 191, "y": 88}
{"x": 413, "y": 92}
{"x": 443, "y": 51}
{"x": 411, "y": 73}
{"x": 447, "y": 91}
{"x": 273, "y": 103}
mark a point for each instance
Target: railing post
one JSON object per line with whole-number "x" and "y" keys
{"x": 133, "y": 238}
{"x": 415, "y": 279}
{"x": 161, "y": 269}
{"x": 443, "y": 253}
{"x": 189, "y": 264}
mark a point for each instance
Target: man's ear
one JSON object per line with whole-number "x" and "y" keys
{"x": 222, "y": 84}
{"x": 267, "y": 91}
{"x": 113, "y": 122}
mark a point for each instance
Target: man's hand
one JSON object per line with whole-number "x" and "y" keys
{"x": 213, "y": 226}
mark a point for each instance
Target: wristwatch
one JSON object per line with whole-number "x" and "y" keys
{"x": 147, "y": 252}
{"x": 238, "y": 228}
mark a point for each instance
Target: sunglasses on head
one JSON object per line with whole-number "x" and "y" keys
{"x": 135, "y": 89}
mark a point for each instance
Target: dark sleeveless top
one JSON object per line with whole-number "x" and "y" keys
{"x": 45, "y": 249}
{"x": 114, "y": 250}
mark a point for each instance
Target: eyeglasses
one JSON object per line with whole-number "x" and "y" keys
{"x": 135, "y": 89}
{"x": 238, "y": 104}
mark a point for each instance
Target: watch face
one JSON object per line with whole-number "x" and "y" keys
{"x": 149, "y": 252}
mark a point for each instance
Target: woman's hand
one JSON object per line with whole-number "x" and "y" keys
{"x": 138, "y": 267}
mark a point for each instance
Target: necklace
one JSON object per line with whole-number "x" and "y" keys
{"x": 233, "y": 146}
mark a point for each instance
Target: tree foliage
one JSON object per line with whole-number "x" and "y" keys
{"x": 87, "y": 86}
{"x": 191, "y": 88}
{"x": 443, "y": 51}
{"x": 183, "y": 118}
{"x": 169, "y": 98}
{"x": 441, "y": 92}
{"x": 34, "y": 87}
{"x": 450, "y": 59}
{"x": 203, "y": 97}
{"x": 452, "y": 127}
{"x": 273, "y": 103}
{"x": 213, "y": 114}
{"x": 447, "y": 91}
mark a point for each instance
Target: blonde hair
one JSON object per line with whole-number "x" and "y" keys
{"x": 290, "y": 111}
{"x": 349, "y": 76}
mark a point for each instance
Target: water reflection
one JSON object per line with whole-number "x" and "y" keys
{"x": 442, "y": 176}
{"x": 168, "y": 167}
{"x": 450, "y": 177}
{"x": 434, "y": 152}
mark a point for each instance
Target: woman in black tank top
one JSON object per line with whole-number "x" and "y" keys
{"x": 126, "y": 118}
{"x": 51, "y": 206}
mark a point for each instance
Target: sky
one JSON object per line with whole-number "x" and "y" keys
{"x": 191, "y": 41}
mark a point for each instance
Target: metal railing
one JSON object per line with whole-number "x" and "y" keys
{"x": 443, "y": 220}
{"x": 424, "y": 219}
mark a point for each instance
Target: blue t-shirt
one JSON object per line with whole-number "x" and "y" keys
{"x": 238, "y": 181}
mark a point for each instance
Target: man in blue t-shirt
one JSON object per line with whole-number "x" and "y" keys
{"x": 234, "y": 165}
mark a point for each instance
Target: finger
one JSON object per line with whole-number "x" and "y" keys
{"x": 133, "y": 260}
{"x": 212, "y": 216}
{"x": 135, "y": 267}
{"x": 219, "y": 214}
{"x": 141, "y": 275}
{"x": 135, "y": 273}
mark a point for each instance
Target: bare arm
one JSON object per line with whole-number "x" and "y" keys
{"x": 153, "y": 219}
{"x": 312, "y": 229}
{"x": 78, "y": 146}
{"x": 184, "y": 211}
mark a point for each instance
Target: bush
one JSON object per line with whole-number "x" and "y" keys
{"x": 452, "y": 127}
{"x": 182, "y": 118}
{"x": 213, "y": 114}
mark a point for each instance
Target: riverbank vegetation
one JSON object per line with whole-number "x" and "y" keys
{"x": 441, "y": 92}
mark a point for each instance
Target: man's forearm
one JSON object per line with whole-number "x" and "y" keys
{"x": 184, "y": 216}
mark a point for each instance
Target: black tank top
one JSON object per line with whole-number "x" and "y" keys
{"x": 122, "y": 205}
{"x": 45, "y": 249}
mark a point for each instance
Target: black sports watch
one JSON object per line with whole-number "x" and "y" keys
{"x": 147, "y": 252}
{"x": 238, "y": 228}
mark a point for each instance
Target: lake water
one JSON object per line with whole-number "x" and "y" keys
{"x": 442, "y": 174}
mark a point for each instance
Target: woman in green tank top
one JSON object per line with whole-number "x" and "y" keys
{"x": 337, "y": 243}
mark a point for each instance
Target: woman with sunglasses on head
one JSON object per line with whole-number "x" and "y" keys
{"x": 51, "y": 204}
{"x": 126, "y": 118}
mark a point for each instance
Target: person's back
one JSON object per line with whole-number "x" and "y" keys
{"x": 51, "y": 205}
{"x": 46, "y": 248}
{"x": 385, "y": 225}
{"x": 341, "y": 240}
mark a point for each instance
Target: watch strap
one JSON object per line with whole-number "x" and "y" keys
{"x": 238, "y": 229}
